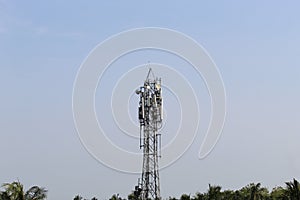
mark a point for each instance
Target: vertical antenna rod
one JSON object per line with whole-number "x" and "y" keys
{"x": 150, "y": 115}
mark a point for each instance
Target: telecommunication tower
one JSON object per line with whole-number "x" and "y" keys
{"x": 150, "y": 114}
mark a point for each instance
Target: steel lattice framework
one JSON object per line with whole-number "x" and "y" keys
{"x": 150, "y": 113}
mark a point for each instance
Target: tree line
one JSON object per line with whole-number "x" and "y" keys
{"x": 252, "y": 191}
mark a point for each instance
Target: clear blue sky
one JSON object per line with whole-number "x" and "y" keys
{"x": 255, "y": 44}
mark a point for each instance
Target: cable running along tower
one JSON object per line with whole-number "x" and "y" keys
{"x": 150, "y": 114}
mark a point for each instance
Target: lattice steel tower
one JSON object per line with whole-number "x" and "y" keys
{"x": 150, "y": 113}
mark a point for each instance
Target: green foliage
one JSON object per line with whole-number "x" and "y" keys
{"x": 228, "y": 195}
{"x": 198, "y": 196}
{"x": 36, "y": 193}
{"x": 115, "y": 197}
{"x": 132, "y": 196}
{"x": 214, "y": 192}
{"x": 279, "y": 193}
{"x": 255, "y": 192}
{"x": 78, "y": 197}
{"x": 15, "y": 191}
{"x": 4, "y": 196}
{"x": 293, "y": 190}
{"x": 252, "y": 191}
{"x": 185, "y": 197}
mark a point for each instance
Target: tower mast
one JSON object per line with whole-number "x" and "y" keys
{"x": 150, "y": 113}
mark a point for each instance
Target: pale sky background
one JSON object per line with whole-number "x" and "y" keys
{"x": 255, "y": 44}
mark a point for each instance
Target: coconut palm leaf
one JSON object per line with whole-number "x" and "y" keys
{"x": 36, "y": 193}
